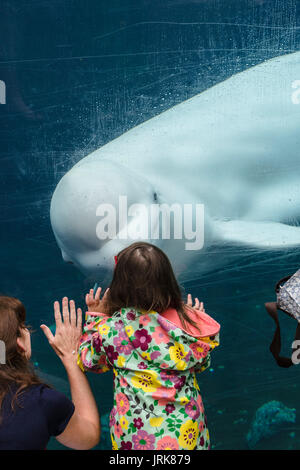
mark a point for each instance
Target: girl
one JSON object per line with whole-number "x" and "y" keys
{"x": 30, "y": 411}
{"x": 154, "y": 344}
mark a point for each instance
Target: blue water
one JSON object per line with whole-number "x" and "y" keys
{"x": 80, "y": 73}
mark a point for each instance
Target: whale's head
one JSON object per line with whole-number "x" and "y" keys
{"x": 85, "y": 209}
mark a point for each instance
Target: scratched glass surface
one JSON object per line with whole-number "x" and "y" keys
{"x": 79, "y": 73}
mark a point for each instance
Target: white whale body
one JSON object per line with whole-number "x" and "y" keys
{"x": 233, "y": 148}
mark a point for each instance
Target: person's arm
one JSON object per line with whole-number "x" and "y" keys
{"x": 91, "y": 355}
{"x": 203, "y": 346}
{"x": 203, "y": 365}
{"x": 83, "y": 430}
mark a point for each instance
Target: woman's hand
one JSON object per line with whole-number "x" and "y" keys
{"x": 198, "y": 305}
{"x": 94, "y": 303}
{"x": 68, "y": 331}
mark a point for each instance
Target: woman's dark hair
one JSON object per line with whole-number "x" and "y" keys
{"x": 144, "y": 279}
{"x": 17, "y": 373}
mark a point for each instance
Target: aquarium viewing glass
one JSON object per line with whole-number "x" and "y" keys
{"x": 76, "y": 75}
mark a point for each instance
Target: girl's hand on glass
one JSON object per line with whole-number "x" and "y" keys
{"x": 68, "y": 331}
{"x": 198, "y": 305}
{"x": 94, "y": 303}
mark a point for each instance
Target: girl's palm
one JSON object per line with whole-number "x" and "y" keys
{"x": 198, "y": 305}
{"x": 94, "y": 303}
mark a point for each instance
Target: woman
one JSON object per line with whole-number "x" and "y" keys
{"x": 30, "y": 411}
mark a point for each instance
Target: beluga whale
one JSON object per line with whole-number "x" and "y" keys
{"x": 229, "y": 154}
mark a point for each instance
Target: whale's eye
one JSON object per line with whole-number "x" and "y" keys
{"x": 155, "y": 197}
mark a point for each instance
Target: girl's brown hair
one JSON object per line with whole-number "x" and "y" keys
{"x": 144, "y": 279}
{"x": 17, "y": 370}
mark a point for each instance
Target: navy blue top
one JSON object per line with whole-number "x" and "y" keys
{"x": 44, "y": 413}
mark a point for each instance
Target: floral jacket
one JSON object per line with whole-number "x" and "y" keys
{"x": 157, "y": 404}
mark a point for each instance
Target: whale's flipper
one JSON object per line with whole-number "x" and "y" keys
{"x": 259, "y": 234}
